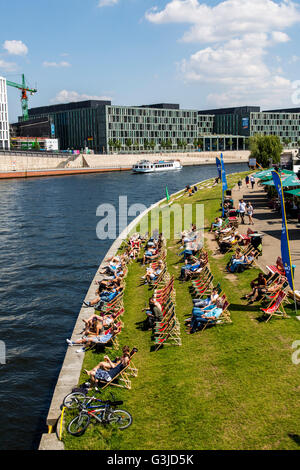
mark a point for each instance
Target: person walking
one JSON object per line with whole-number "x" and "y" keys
{"x": 247, "y": 181}
{"x": 242, "y": 210}
{"x": 249, "y": 211}
{"x": 252, "y": 181}
{"x": 240, "y": 184}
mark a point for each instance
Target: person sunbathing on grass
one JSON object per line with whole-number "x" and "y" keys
{"x": 152, "y": 274}
{"x": 210, "y": 300}
{"x": 205, "y": 315}
{"x": 244, "y": 260}
{"x": 190, "y": 268}
{"x": 106, "y": 370}
{"x": 105, "y": 284}
{"x": 90, "y": 339}
{"x": 229, "y": 241}
{"x": 259, "y": 287}
{"x": 154, "y": 313}
{"x": 104, "y": 320}
{"x": 104, "y": 296}
{"x": 216, "y": 224}
{"x": 150, "y": 254}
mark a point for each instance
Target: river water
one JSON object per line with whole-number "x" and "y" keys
{"x": 49, "y": 254}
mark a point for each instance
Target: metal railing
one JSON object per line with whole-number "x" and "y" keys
{"x": 32, "y": 153}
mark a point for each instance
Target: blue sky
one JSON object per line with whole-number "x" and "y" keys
{"x": 199, "y": 54}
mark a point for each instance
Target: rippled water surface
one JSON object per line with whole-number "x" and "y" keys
{"x": 49, "y": 254}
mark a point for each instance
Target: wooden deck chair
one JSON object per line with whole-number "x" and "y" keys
{"x": 224, "y": 318}
{"x": 204, "y": 286}
{"x": 276, "y": 308}
{"x": 162, "y": 277}
{"x": 123, "y": 376}
{"x": 172, "y": 337}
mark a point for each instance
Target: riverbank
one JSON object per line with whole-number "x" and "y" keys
{"x": 16, "y": 166}
{"x": 247, "y": 361}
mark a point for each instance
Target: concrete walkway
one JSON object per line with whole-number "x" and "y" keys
{"x": 269, "y": 223}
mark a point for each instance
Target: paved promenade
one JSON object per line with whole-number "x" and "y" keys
{"x": 269, "y": 223}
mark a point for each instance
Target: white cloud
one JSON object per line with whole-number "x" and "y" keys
{"x": 15, "y": 47}
{"x": 278, "y": 36}
{"x": 56, "y": 64}
{"x": 107, "y": 3}
{"x": 235, "y": 36}
{"x": 228, "y": 19}
{"x": 66, "y": 96}
{"x": 8, "y": 66}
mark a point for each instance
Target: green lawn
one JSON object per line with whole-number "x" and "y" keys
{"x": 229, "y": 387}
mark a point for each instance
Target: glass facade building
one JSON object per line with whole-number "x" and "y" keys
{"x": 107, "y": 128}
{"x": 285, "y": 125}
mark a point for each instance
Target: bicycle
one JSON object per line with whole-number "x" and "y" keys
{"x": 104, "y": 413}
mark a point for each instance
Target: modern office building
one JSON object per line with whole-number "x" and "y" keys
{"x": 283, "y": 123}
{"x": 4, "y": 124}
{"x": 248, "y": 121}
{"x": 104, "y": 127}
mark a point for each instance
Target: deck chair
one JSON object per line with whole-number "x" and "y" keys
{"x": 224, "y": 318}
{"x": 123, "y": 376}
{"x": 170, "y": 335}
{"x": 275, "y": 308}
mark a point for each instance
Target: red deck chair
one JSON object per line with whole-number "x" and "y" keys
{"x": 276, "y": 307}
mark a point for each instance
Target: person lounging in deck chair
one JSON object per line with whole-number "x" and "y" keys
{"x": 106, "y": 370}
{"x": 206, "y": 314}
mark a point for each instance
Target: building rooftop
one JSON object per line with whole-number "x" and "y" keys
{"x": 234, "y": 110}
{"x": 67, "y": 106}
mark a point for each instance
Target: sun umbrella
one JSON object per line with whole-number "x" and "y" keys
{"x": 287, "y": 181}
{"x": 268, "y": 173}
{"x": 295, "y": 192}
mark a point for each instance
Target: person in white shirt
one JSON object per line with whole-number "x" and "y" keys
{"x": 242, "y": 210}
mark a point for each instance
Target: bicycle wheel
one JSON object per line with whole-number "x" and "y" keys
{"x": 122, "y": 419}
{"x": 79, "y": 424}
{"x": 74, "y": 400}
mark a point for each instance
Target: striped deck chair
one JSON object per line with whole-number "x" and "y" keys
{"x": 205, "y": 286}
{"x": 170, "y": 335}
{"x": 162, "y": 277}
{"x": 224, "y": 318}
{"x": 123, "y": 376}
{"x": 276, "y": 307}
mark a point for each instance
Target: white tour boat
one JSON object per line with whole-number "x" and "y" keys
{"x": 145, "y": 166}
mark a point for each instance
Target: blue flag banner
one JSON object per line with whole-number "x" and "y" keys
{"x": 223, "y": 172}
{"x": 285, "y": 245}
{"x": 219, "y": 166}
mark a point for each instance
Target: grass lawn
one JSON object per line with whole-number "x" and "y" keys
{"x": 229, "y": 387}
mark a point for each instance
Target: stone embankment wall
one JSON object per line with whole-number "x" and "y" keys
{"x": 29, "y": 162}
{"x": 193, "y": 158}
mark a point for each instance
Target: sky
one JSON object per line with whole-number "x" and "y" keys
{"x": 200, "y": 54}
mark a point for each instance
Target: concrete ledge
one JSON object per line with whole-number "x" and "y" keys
{"x": 50, "y": 442}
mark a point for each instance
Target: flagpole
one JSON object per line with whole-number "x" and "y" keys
{"x": 287, "y": 233}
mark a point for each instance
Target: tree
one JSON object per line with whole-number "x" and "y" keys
{"x": 169, "y": 143}
{"x": 152, "y": 144}
{"x": 163, "y": 144}
{"x": 200, "y": 144}
{"x": 266, "y": 149}
{"x": 36, "y": 145}
{"x": 111, "y": 144}
{"x": 146, "y": 144}
{"x": 128, "y": 143}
